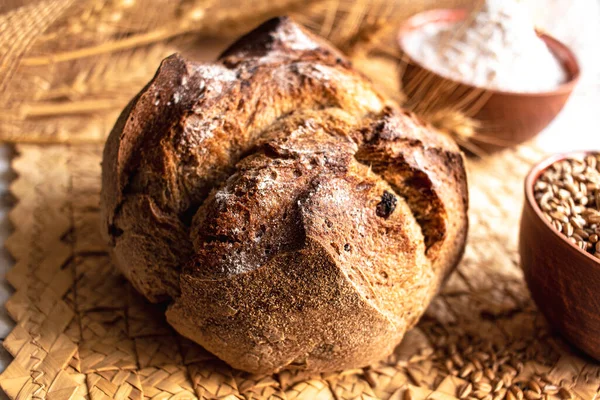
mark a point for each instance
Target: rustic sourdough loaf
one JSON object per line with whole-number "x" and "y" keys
{"x": 292, "y": 218}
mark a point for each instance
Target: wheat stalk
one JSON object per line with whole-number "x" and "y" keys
{"x": 63, "y": 82}
{"x": 341, "y": 20}
{"x": 108, "y": 83}
{"x": 111, "y": 47}
{"x": 221, "y": 21}
{"x": 114, "y": 57}
{"x": 438, "y": 102}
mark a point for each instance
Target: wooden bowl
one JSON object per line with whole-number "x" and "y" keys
{"x": 507, "y": 118}
{"x": 564, "y": 280}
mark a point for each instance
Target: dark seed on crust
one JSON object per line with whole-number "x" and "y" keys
{"x": 387, "y": 205}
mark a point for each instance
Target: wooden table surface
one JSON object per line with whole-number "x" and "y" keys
{"x": 575, "y": 22}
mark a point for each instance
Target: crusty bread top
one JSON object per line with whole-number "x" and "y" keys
{"x": 281, "y": 104}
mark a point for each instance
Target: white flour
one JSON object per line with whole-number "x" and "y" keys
{"x": 497, "y": 48}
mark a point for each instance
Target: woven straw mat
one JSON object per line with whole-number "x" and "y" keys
{"x": 83, "y": 333}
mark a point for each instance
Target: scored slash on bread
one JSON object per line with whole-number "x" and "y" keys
{"x": 292, "y": 217}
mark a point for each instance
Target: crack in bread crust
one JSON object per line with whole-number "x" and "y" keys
{"x": 249, "y": 192}
{"x": 412, "y": 184}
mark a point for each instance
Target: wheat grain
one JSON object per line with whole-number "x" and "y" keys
{"x": 465, "y": 390}
{"x": 550, "y": 389}
{"x": 534, "y": 386}
{"x": 476, "y": 376}
{"x": 498, "y": 386}
{"x": 531, "y": 395}
{"x": 568, "y": 193}
{"x": 466, "y": 370}
{"x": 565, "y": 394}
{"x": 518, "y": 393}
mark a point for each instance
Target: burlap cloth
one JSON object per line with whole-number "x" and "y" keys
{"x": 83, "y": 332}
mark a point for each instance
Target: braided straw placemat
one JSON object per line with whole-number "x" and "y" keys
{"x": 83, "y": 333}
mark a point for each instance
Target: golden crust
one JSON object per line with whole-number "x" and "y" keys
{"x": 292, "y": 218}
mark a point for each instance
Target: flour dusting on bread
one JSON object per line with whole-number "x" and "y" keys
{"x": 294, "y": 38}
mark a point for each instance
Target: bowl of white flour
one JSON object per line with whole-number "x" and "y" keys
{"x": 491, "y": 64}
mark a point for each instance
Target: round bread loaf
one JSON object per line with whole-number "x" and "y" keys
{"x": 292, "y": 218}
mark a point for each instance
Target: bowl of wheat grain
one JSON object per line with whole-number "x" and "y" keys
{"x": 512, "y": 89}
{"x": 559, "y": 244}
